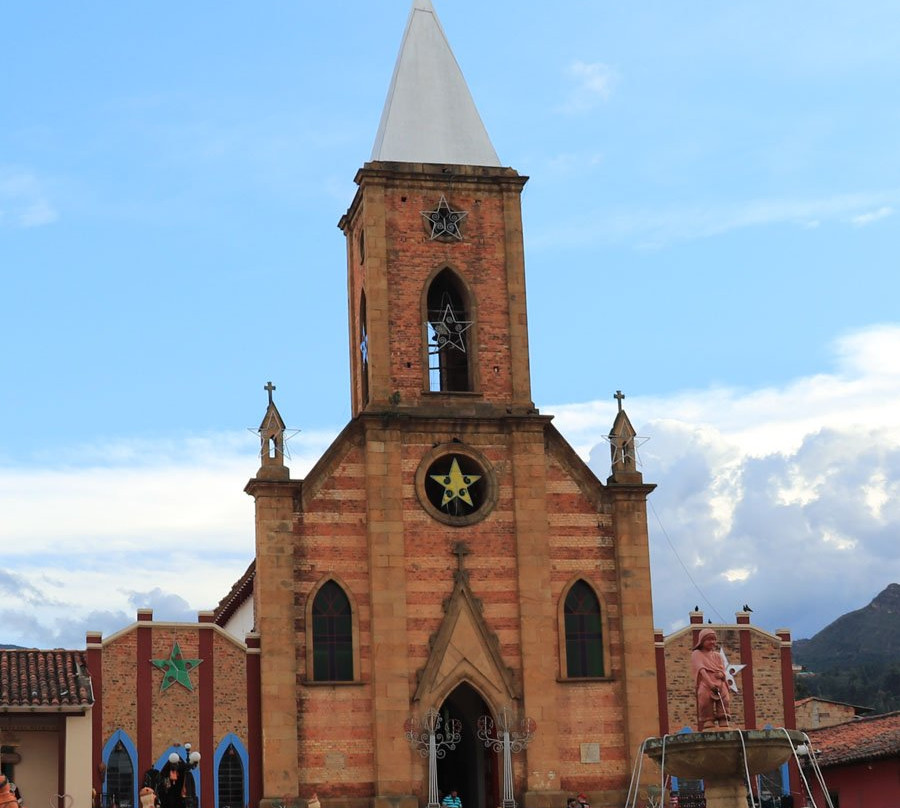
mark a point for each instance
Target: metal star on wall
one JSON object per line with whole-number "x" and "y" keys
{"x": 444, "y": 221}
{"x": 176, "y": 669}
{"x": 456, "y": 484}
{"x": 448, "y": 330}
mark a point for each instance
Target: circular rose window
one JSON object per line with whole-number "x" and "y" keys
{"x": 455, "y": 485}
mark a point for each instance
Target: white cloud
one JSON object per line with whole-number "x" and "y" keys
{"x": 594, "y": 82}
{"x": 23, "y": 200}
{"x": 654, "y": 228}
{"x": 873, "y": 216}
{"x": 787, "y": 498}
{"x": 163, "y": 525}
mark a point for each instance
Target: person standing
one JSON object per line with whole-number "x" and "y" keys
{"x": 452, "y": 800}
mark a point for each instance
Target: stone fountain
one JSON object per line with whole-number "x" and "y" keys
{"x": 724, "y": 759}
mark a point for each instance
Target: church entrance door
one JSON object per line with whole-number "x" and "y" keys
{"x": 471, "y": 769}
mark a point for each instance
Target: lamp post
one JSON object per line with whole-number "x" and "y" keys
{"x": 427, "y": 738}
{"x": 511, "y": 736}
{"x": 191, "y": 759}
{"x": 184, "y": 766}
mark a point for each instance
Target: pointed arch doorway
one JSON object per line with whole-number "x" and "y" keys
{"x": 471, "y": 769}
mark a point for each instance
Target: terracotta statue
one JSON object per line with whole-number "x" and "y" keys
{"x": 710, "y": 679}
{"x": 7, "y": 798}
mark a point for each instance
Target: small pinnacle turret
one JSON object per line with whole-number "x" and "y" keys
{"x": 271, "y": 437}
{"x": 623, "y": 447}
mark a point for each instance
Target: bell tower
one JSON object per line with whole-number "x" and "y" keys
{"x": 436, "y": 277}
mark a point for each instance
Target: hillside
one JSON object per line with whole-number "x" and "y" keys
{"x": 856, "y": 659}
{"x": 868, "y": 635}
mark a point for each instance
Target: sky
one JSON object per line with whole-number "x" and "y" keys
{"x": 711, "y": 226}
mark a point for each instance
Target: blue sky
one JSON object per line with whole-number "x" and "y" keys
{"x": 710, "y": 226}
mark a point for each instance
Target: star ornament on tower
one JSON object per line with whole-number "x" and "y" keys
{"x": 448, "y": 331}
{"x": 176, "y": 669}
{"x": 444, "y": 221}
{"x": 456, "y": 485}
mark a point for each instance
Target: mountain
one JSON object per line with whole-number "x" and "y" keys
{"x": 868, "y": 635}
{"x": 856, "y": 659}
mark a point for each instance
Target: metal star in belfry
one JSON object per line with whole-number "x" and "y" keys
{"x": 176, "y": 669}
{"x": 448, "y": 330}
{"x": 626, "y": 450}
{"x": 456, "y": 484}
{"x": 444, "y": 220}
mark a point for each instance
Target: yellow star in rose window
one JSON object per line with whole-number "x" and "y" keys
{"x": 456, "y": 484}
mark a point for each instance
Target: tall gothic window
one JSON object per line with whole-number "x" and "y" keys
{"x": 332, "y": 635}
{"x": 120, "y": 778}
{"x": 231, "y": 779}
{"x": 363, "y": 350}
{"x": 584, "y": 632}
{"x": 449, "y": 335}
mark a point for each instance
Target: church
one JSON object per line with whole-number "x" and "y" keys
{"x": 448, "y": 570}
{"x": 450, "y": 557}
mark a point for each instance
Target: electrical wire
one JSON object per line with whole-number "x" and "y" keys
{"x": 683, "y": 566}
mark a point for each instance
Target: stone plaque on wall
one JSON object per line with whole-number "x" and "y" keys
{"x": 590, "y": 753}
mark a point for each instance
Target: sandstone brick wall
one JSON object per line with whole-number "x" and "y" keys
{"x": 581, "y": 541}
{"x": 336, "y": 748}
{"x": 814, "y": 713}
{"x": 479, "y": 260}
{"x": 767, "y": 680}
{"x": 120, "y": 685}
{"x": 230, "y": 690}
{"x": 175, "y": 712}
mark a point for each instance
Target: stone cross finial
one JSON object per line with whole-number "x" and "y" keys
{"x": 461, "y": 550}
{"x": 269, "y": 388}
{"x": 618, "y": 397}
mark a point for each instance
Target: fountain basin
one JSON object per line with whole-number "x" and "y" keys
{"x": 719, "y": 755}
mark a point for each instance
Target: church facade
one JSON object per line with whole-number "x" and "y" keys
{"x": 450, "y": 556}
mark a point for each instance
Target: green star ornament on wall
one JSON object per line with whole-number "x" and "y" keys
{"x": 176, "y": 669}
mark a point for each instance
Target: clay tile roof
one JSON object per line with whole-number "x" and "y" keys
{"x": 869, "y": 738}
{"x": 241, "y": 590}
{"x": 30, "y": 678}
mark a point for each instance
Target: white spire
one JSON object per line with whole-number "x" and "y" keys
{"x": 429, "y": 115}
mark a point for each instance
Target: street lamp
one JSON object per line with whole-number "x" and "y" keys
{"x": 178, "y": 787}
{"x": 191, "y": 759}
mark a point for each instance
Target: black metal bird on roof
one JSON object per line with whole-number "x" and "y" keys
{"x": 747, "y": 608}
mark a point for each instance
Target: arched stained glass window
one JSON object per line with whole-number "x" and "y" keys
{"x": 363, "y": 350}
{"x": 584, "y": 632}
{"x": 120, "y": 778}
{"x": 230, "y": 780}
{"x": 332, "y": 635}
